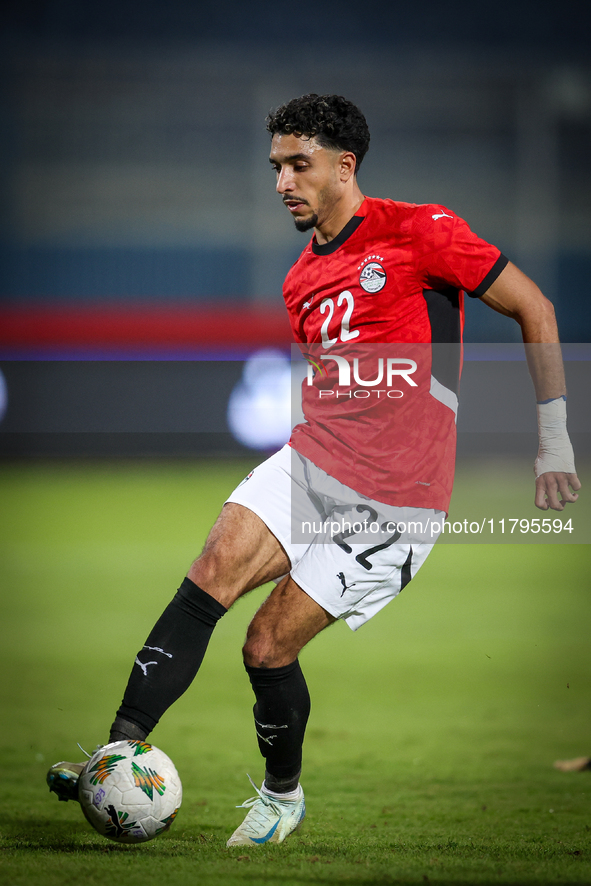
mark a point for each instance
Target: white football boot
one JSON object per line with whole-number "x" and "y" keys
{"x": 270, "y": 820}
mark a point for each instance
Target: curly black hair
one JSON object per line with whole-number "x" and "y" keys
{"x": 335, "y": 122}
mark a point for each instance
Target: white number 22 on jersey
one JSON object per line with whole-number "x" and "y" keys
{"x": 345, "y": 333}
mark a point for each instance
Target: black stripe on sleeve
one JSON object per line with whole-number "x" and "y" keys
{"x": 500, "y": 265}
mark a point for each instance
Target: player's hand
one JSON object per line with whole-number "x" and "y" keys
{"x": 550, "y": 484}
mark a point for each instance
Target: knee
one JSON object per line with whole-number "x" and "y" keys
{"x": 209, "y": 572}
{"x": 256, "y": 651}
{"x": 204, "y": 571}
{"x": 262, "y": 649}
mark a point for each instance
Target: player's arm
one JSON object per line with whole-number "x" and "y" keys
{"x": 516, "y": 296}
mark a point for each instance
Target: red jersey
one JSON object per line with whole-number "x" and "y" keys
{"x": 381, "y": 308}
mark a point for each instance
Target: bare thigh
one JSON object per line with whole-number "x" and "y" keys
{"x": 287, "y": 620}
{"x": 240, "y": 554}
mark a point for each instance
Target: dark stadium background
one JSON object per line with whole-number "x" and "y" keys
{"x": 142, "y": 247}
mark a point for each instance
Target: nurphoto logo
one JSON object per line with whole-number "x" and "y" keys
{"x": 386, "y": 372}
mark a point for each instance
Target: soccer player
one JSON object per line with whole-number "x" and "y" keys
{"x": 379, "y": 283}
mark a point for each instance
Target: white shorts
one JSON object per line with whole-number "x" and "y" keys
{"x": 351, "y": 554}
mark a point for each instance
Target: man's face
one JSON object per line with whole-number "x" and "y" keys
{"x": 308, "y": 178}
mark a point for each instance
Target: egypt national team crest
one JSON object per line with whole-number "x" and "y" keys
{"x": 373, "y": 276}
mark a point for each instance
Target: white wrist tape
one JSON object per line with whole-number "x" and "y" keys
{"x": 555, "y": 452}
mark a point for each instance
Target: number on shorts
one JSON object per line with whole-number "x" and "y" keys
{"x": 340, "y": 537}
{"x": 362, "y": 558}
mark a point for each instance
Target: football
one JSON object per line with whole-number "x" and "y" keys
{"x": 130, "y": 791}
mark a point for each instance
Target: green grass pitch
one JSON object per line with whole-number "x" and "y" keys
{"x": 433, "y": 730}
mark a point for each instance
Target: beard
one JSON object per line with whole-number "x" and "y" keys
{"x": 306, "y": 224}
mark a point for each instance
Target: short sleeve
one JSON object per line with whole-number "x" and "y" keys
{"x": 449, "y": 253}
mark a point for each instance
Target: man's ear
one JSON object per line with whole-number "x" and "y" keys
{"x": 347, "y": 165}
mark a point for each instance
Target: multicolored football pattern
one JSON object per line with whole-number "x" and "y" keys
{"x": 130, "y": 791}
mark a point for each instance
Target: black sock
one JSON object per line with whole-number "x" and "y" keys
{"x": 167, "y": 664}
{"x": 123, "y": 730}
{"x": 280, "y": 715}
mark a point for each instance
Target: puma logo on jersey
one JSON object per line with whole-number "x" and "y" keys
{"x": 307, "y": 304}
{"x": 441, "y": 215}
